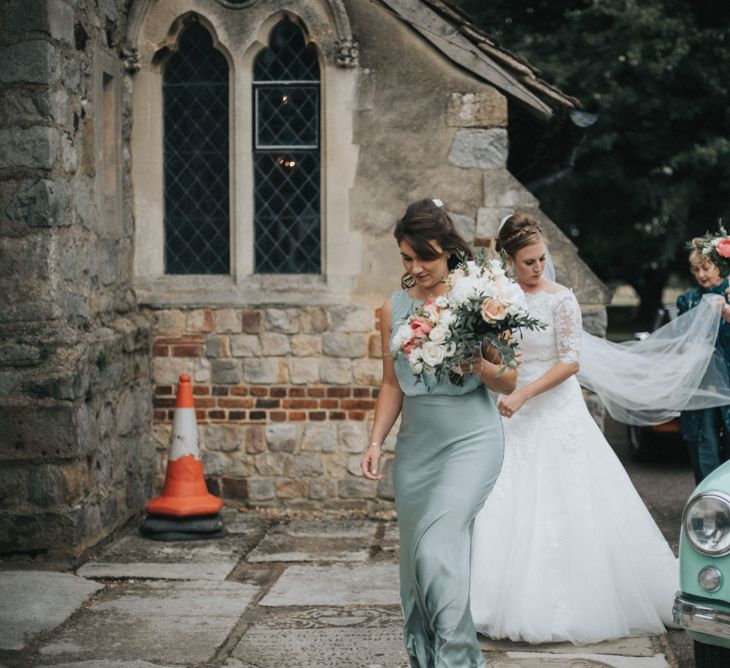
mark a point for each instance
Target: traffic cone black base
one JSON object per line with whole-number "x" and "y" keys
{"x": 199, "y": 527}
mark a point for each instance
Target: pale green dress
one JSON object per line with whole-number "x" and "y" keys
{"x": 448, "y": 456}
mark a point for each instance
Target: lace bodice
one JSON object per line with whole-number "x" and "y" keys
{"x": 558, "y": 342}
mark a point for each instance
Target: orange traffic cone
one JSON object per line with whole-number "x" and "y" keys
{"x": 184, "y": 493}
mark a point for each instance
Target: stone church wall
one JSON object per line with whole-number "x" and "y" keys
{"x": 76, "y": 455}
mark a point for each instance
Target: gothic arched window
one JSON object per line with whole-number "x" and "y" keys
{"x": 286, "y": 155}
{"x": 196, "y": 156}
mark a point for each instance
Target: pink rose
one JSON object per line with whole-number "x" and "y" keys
{"x": 493, "y": 310}
{"x": 409, "y": 346}
{"x": 723, "y": 247}
{"x": 421, "y": 329}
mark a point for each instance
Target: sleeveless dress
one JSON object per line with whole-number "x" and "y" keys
{"x": 565, "y": 550}
{"x": 448, "y": 455}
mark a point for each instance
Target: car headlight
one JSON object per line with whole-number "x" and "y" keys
{"x": 707, "y": 523}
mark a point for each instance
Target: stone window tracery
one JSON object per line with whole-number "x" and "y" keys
{"x": 286, "y": 155}
{"x": 196, "y": 156}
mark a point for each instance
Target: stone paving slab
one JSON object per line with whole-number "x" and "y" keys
{"x": 339, "y": 584}
{"x": 323, "y": 648}
{"x": 134, "y": 556}
{"x": 33, "y": 602}
{"x": 169, "y": 622}
{"x": 108, "y": 664}
{"x": 244, "y": 523}
{"x": 317, "y": 540}
{"x": 319, "y": 528}
{"x": 638, "y": 646}
{"x": 538, "y": 660}
{"x": 321, "y": 616}
{"x": 281, "y": 547}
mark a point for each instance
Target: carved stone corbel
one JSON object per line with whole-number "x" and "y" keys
{"x": 347, "y": 53}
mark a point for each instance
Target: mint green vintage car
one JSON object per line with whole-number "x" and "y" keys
{"x": 703, "y": 604}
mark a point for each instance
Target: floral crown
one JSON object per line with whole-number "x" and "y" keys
{"x": 714, "y": 248}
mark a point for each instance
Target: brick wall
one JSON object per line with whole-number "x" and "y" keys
{"x": 284, "y": 400}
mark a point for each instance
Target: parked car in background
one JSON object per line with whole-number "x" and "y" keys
{"x": 702, "y": 606}
{"x": 646, "y": 443}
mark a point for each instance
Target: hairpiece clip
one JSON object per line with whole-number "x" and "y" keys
{"x": 503, "y": 221}
{"x": 437, "y": 202}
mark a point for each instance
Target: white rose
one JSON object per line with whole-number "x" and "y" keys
{"x": 511, "y": 293}
{"x": 416, "y": 354}
{"x": 449, "y": 349}
{"x": 416, "y": 366}
{"x": 433, "y": 353}
{"x": 496, "y": 267}
{"x": 402, "y": 335}
{"x": 442, "y": 302}
{"x": 455, "y": 276}
{"x": 463, "y": 290}
{"x": 439, "y": 334}
{"x": 447, "y": 317}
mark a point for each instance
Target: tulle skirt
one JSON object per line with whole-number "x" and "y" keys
{"x": 564, "y": 548}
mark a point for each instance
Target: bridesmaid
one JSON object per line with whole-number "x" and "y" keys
{"x": 448, "y": 455}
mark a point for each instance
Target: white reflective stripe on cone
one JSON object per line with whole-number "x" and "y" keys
{"x": 184, "y": 439}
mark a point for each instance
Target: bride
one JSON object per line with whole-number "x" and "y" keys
{"x": 564, "y": 549}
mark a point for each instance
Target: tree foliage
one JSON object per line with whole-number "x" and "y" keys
{"x": 655, "y": 168}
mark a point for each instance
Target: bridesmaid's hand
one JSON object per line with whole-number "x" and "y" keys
{"x": 369, "y": 463}
{"x": 511, "y": 403}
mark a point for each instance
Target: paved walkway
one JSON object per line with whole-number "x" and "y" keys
{"x": 304, "y": 593}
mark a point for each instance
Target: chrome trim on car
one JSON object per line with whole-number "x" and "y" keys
{"x": 700, "y": 617}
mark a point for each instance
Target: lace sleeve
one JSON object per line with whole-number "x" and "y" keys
{"x": 568, "y": 326}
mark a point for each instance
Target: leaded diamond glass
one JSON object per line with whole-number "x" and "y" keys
{"x": 195, "y": 95}
{"x": 287, "y": 58}
{"x": 287, "y": 116}
{"x": 287, "y": 155}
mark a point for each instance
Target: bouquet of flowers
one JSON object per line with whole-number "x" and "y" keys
{"x": 715, "y": 247}
{"x": 482, "y": 307}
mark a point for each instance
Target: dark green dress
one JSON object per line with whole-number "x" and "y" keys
{"x": 448, "y": 456}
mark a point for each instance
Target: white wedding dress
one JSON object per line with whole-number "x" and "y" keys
{"x": 564, "y": 548}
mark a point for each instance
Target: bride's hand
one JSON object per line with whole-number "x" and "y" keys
{"x": 511, "y": 403}
{"x": 369, "y": 463}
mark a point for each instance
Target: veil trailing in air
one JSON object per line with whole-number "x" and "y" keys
{"x": 675, "y": 368}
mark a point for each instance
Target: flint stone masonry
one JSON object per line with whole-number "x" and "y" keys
{"x": 45, "y": 599}
{"x": 34, "y": 147}
{"x": 33, "y": 62}
{"x": 43, "y": 203}
{"x": 33, "y": 106}
{"x": 54, "y": 17}
{"x": 480, "y": 149}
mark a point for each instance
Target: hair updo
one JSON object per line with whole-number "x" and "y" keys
{"x": 423, "y": 222}
{"x": 518, "y": 232}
